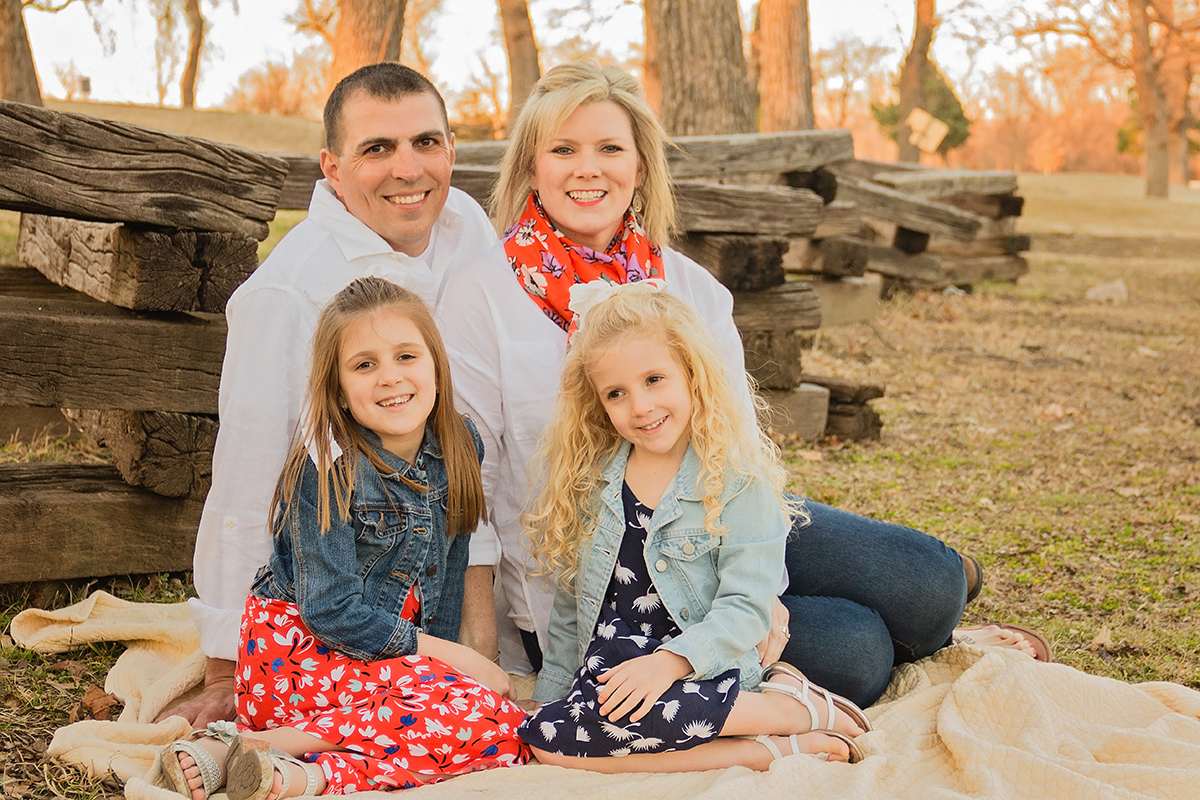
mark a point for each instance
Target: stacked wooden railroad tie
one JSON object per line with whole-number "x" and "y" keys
{"x": 930, "y": 229}
{"x": 144, "y": 236}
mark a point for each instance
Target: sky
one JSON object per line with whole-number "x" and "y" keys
{"x": 467, "y": 31}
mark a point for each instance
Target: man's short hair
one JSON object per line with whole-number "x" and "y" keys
{"x": 384, "y": 81}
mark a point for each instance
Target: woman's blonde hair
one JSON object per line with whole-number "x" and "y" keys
{"x": 556, "y": 96}
{"x": 580, "y": 440}
{"x": 326, "y": 419}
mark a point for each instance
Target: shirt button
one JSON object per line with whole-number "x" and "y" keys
{"x": 683, "y": 614}
{"x": 432, "y": 570}
{"x": 688, "y": 548}
{"x": 660, "y": 565}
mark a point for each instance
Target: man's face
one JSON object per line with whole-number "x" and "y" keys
{"x": 393, "y": 171}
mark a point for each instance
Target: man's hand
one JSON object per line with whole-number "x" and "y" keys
{"x": 632, "y": 687}
{"x": 770, "y": 648}
{"x": 216, "y": 702}
{"x": 478, "y": 630}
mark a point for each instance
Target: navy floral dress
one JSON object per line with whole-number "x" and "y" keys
{"x": 633, "y": 623}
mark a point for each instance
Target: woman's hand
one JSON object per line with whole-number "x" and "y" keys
{"x": 633, "y": 686}
{"x": 468, "y": 662}
{"x": 771, "y": 648}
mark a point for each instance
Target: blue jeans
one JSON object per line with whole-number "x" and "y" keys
{"x": 864, "y": 596}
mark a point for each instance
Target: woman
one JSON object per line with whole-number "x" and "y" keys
{"x": 584, "y": 193}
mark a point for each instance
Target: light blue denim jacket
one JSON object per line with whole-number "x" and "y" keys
{"x": 719, "y": 590}
{"x": 350, "y": 582}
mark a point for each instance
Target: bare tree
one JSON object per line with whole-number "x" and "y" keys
{"x": 522, "y": 50}
{"x": 696, "y": 68}
{"x": 912, "y": 77}
{"x": 1155, "y": 41}
{"x": 784, "y": 66}
{"x": 18, "y": 77}
{"x": 359, "y": 32}
{"x": 848, "y": 77}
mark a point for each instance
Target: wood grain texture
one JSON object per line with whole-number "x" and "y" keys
{"x": 839, "y": 218}
{"x": 763, "y": 210}
{"x": 149, "y": 269}
{"x": 717, "y": 156}
{"x": 76, "y": 166}
{"x": 168, "y": 454}
{"x": 776, "y": 327}
{"x": 1009, "y": 245}
{"x": 967, "y": 271}
{"x": 845, "y": 390}
{"x": 86, "y": 354}
{"x": 891, "y": 262}
{"x": 741, "y": 263}
{"x": 907, "y": 211}
{"x": 943, "y": 182}
{"x": 839, "y": 257}
{"x": 60, "y": 521}
{"x": 28, "y": 282}
{"x": 995, "y": 206}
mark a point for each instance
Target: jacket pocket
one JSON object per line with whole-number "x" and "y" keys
{"x": 689, "y": 544}
{"x": 381, "y": 521}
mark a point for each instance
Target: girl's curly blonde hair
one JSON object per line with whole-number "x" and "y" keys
{"x": 580, "y": 440}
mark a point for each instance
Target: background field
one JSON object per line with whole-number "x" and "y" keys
{"x": 1055, "y": 438}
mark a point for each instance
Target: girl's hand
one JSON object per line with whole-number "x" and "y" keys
{"x": 634, "y": 686}
{"x": 771, "y": 648}
{"x": 468, "y": 662}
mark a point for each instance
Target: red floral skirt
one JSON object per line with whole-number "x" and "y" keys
{"x": 397, "y": 723}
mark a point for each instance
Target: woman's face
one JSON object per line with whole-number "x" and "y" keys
{"x": 586, "y": 174}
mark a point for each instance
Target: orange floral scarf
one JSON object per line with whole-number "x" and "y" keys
{"x": 548, "y": 264}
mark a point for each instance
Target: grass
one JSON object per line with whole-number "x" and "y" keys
{"x": 1106, "y": 205}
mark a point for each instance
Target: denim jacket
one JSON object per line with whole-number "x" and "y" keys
{"x": 719, "y": 590}
{"x": 350, "y": 583}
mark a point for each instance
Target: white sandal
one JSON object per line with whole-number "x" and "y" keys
{"x": 833, "y": 702}
{"x": 856, "y": 753}
{"x": 210, "y": 770}
{"x": 252, "y": 770}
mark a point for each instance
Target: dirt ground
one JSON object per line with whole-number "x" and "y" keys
{"x": 1054, "y": 438}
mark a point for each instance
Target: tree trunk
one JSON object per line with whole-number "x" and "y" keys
{"x": 18, "y": 78}
{"x": 196, "y": 25}
{"x": 1152, "y": 100}
{"x": 912, "y": 77}
{"x": 522, "y": 50}
{"x": 784, "y": 70}
{"x": 699, "y": 66}
{"x": 651, "y": 83}
{"x": 367, "y": 32}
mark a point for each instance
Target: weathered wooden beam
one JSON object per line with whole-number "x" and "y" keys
{"x": 821, "y": 181}
{"x": 967, "y": 271}
{"x": 137, "y": 267}
{"x": 717, "y": 156}
{"x": 28, "y": 282}
{"x": 839, "y": 218}
{"x": 75, "y": 166}
{"x": 867, "y": 169}
{"x": 802, "y": 411}
{"x": 845, "y": 390}
{"x": 944, "y": 182}
{"x": 61, "y": 521}
{"x": 763, "y": 210}
{"x": 990, "y": 206}
{"x": 891, "y": 262}
{"x": 876, "y": 200}
{"x": 743, "y": 263}
{"x": 1009, "y": 245}
{"x": 85, "y": 354}
{"x": 853, "y": 423}
{"x": 835, "y": 258}
{"x": 776, "y": 326}
{"x": 167, "y": 453}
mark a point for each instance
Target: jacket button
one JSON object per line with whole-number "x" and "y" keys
{"x": 683, "y": 614}
{"x": 660, "y": 565}
{"x": 432, "y": 570}
{"x": 688, "y": 548}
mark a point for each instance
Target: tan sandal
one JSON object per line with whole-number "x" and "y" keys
{"x": 252, "y": 766}
{"x": 833, "y": 702}
{"x": 210, "y": 770}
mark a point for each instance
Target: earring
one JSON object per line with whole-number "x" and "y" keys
{"x": 638, "y": 202}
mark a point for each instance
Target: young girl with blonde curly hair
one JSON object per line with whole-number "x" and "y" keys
{"x": 663, "y": 520}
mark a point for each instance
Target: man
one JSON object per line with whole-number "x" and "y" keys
{"x": 385, "y": 208}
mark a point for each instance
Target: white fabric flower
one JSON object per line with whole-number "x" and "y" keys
{"x": 586, "y": 296}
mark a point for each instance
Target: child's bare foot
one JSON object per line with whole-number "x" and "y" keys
{"x": 821, "y": 710}
{"x": 1009, "y": 637}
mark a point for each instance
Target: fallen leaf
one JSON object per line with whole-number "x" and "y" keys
{"x": 985, "y": 502}
{"x": 73, "y": 668}
{"x": 98, "y": 703}
{"x": 810, "y": 455}
{"x": 1054, "y": 411}
{"x": 1102, "y": 641}
{"x": 1129, "y": 491}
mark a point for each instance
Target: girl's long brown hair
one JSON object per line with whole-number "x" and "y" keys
{"x": 325, "y": 420}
